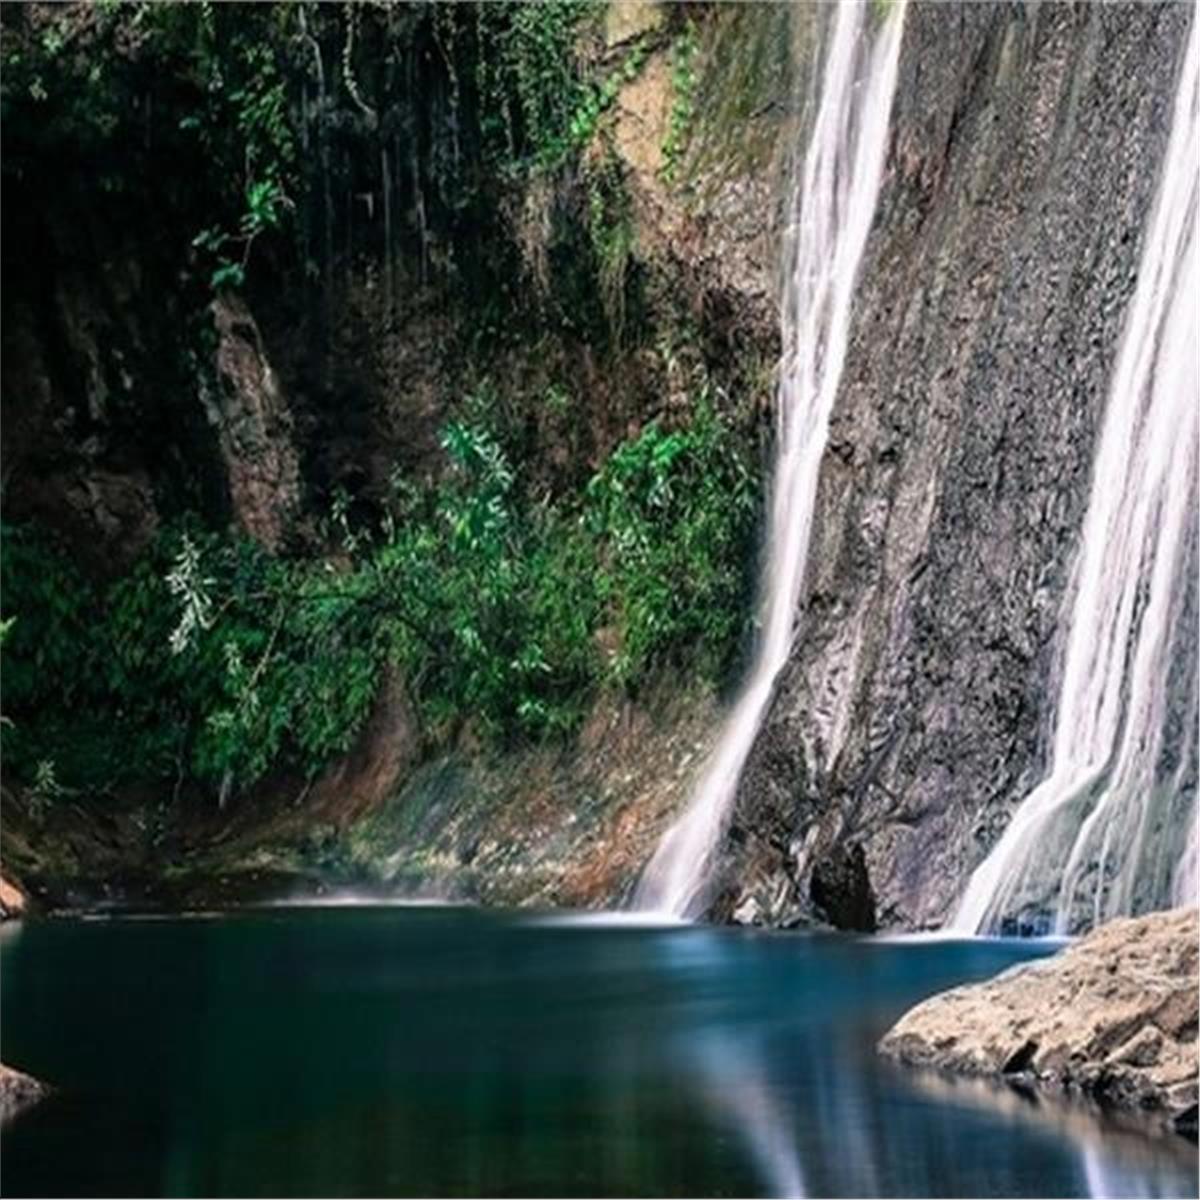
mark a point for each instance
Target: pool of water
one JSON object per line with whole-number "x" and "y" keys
{"x": 400, "y": 1051}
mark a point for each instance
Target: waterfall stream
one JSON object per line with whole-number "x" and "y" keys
{"x": 1110, "y": 830}
{"x": 834, "y": 196}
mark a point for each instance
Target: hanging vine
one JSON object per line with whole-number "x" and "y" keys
{"x": 348, "y": 75}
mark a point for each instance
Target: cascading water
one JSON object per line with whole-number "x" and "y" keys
{"x": 1111, "y": 829}
{"x": 834, "y": 205}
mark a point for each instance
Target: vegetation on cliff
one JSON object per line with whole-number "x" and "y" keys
{"x": 214, "y": 658}
{"x": 431, "y": 158}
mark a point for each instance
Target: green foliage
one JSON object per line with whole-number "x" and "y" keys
{"x": 674, "y": 511}
{"x": 123, "y": 90}
{"x": 210, "y": 661}
{"x": 258, "y": 137}
{"x": 527, "y": 77}
{"x": 475, "y": 581}
{"x": 538, "y": 106}
{"x": 291, "y": 670}
{"x": 597, "y": 99}
{"x": 240, "y": 122}
{"x": 610, "y": 230}
{"x": 683, "y": 102}
{"x": 209, "y": 658}
{"x": 213, "y": 661}
{"x": 187, "y": 581}
{"x": 532, "y": 93}
{"x": 497, "y": 605}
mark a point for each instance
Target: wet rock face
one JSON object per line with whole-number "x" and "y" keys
{"x": 546, "y": 828}
{"x": 1112, "y": 1017}
{"x": 119, "y": 410}
{"x": 88, "y": 387}
{"x": 986, "y": 325}
{"x": 715, "y": 225}
{"x": 388, "y": 747}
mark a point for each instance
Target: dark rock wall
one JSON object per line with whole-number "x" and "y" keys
{"x": 99, "y": 434}
{"x": 128, "y": 398}
{"x": 255, "y": 427}
{"x": 915, "y": 710}
{"x": 124, "y": 399}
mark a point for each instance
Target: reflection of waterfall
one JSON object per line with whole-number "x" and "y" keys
{"x": 1101, "y": 835}
{"x": 735, "y": 1086}
{"x": 786, "y": 1065}
{"x": 1106, "y": 1180}
{"x": 835, "y": 204}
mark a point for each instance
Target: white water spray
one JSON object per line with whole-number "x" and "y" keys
{"x": 835, "y": 195}
{"x": 1101, "y": 834}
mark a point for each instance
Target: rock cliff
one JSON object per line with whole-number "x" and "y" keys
{"x": 914, "y": 712}
{"x": 134, "y": 399}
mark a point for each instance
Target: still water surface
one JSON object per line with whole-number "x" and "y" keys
{"x": 400, "y": 1051}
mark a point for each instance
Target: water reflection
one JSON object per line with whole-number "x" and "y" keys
{"x": 731, "y": 1079}
{"x": 848, "y": 1124}
{"x": 1116, "y": 1156}
{"x": 353, "y": 1051}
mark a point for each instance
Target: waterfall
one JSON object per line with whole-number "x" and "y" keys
{"x": 834, "y": 195}
{"x": 1186, "y": 886}
{"x": 1102, "y": 834}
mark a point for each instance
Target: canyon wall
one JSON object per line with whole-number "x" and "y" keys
{"x": 915, "y": 711}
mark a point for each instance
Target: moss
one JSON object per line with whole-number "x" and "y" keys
{"x": 744, "y": 89}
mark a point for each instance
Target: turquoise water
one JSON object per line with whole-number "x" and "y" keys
{"x": 400, "y": 1051}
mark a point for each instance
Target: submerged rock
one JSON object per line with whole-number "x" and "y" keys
{"x": 18, "y": 1092}
{"x": 1114, "y": 1018}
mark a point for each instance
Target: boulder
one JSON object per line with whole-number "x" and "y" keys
{"x": 1113, "y": 1017}
{"x": 18, "y": 1092}
{"x": 12, "y": 900}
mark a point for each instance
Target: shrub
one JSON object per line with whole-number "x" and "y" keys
{"x": 212, "y": 660}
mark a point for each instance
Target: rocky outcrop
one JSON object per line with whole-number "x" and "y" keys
{"x": 388, "y": 747}
{"x": 254, "y": 427}
{"x": 82, "y": 362}
{"x": 1113, "y": 1018}
{"x": 18, "y": 1092}
{"x": 13, "y": 902}
{"x": 546, "y": 827}
{"x": 113, "y": 422}
{"x": 715, "y": 214}
{"x": 915, "y": 708}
